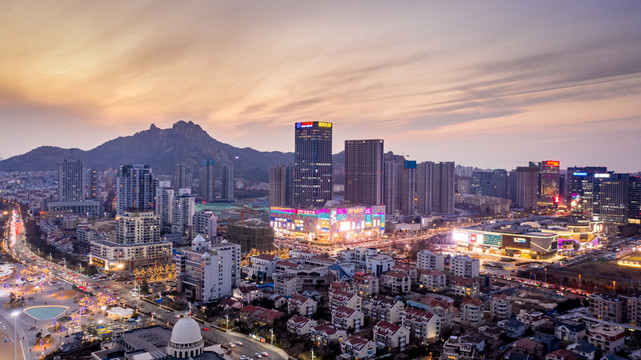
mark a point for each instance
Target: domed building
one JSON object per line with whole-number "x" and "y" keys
{"x": 186, "y": 339}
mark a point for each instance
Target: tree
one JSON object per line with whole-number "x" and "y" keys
{"x": 144, "y": 288}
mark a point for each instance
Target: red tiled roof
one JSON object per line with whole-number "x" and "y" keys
{"x": 343, "y": 312}
{"x": 356, "y": 342}
{"x": 395, "y": 273}
{"x": 474, "y": 301}
{"x": 386, "y": 327}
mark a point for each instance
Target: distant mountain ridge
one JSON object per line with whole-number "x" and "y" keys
{"x": 185, "y": 142}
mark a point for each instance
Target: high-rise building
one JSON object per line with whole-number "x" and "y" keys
{"x": 184, "y": 207}
{"x": 424, "y": 187}
{"x": 136, "y": 188}
{"x": 443, "y": 188}
{"x": 549, "y": 179}
{"x": 408, "y": 188}
{"x": 281, "y": 184}
{"x": 92, "y": 189}
{"x": 137, "y": 228}
{"x": 490, "y": 183}
{"x": 526, "y": 187}
{"x": 207, "y": 181}
{"x": 180, "y": 177}
{"x": 364, "y": 172}
{"x": 165, "y": 204}
{"x": 313, "y": 164}
{"x": 392, "y": 186}
{"x": 634, "y": 201}
{"x": 70, "y": 182}
{"x": 228, "y": 183}
{"x": 464, "y": 266}
{"x": 613, "y": 199}
{"x": 582, "y": 190}
{"x": 464, "y": 185}
{"x": 205, "y": 224}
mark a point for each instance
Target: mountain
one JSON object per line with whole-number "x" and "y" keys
{"x": 184, "y": 142}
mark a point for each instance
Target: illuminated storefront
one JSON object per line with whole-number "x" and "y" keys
{"x": 331, "y": 225}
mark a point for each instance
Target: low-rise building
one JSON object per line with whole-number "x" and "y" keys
{"x": 300, "y": 325}
{"x": 607, "y": 307}
{"x": 379, "y": 264}
{"x": 423, "y": 325}
{"x": 465, "y": 286}
{"x": 512, "y": 327}
{"x": 607, "y": 338}
{"x": 464, "y": 266}
{"x": 472, "y": 312}
{"x": 570, "y": 331}
{"x": 409, "y": 270}
{"x": 397, "y": 282}
{"x": 562, "y": 354}
{"x": 287, "y": 284}
{"x": 259, "y": 315}
{"x": 457, "y": 347}
{"x": 341, "y": 298}
{"x": 347, "y": 319}
{"x": 262, "y": 267}
{"x": 529, "y": 346}
{"x": 427, "y": 260}
{"x": 390, "y": 336}
{"x": 301, "y": 305}
{"x": 382, "y": 307}
{"x": 500, "y": 307}
{"x": 584, "y": 349}
{"x": 323, "y": 335}
{"x": 433, "y": 280}
{"x": 357, "y": 348}
{"x": 367, "y": 285}
{"x": 531, "y": 319}
{"x": 247, "y": 293}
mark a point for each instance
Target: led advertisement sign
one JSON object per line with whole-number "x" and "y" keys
{"x": 516, "y": 241}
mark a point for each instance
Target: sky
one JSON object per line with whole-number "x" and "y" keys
{"x": 492, "y": 84}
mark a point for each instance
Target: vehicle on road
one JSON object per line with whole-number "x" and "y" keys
{"x": 239, "y": 343}
{"x": 265, "y": 354}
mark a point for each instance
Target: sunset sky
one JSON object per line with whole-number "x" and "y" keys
{"x": 482, "y": 83}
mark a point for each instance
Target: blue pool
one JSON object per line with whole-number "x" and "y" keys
{"x": 45, "y": 312}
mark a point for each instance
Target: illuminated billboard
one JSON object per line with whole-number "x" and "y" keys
{"x": 516, "y": 241}
{"x": 494, "y": 240}
{"x": 552, "y": 163}
{"x": 460, "y": 236}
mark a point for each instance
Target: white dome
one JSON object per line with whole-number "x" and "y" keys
{"x": 198, "y": 240}
{"x": 186, "y": 331}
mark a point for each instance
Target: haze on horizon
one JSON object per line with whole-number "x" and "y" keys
{"x": 484, "y": 84}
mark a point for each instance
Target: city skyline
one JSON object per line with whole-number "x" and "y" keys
{"x": 519, "y": 82}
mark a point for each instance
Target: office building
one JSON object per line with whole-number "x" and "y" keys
{"x": 164, "y": 206}
{"x": 364, "y": 172}
{"x": 634, "y": 201}
{"x": 281, "y": 185}
{"x": 549, "y": 180}
{"x": 137, "y": 243}
{"x": 408, "y": 188}
{"x": 313, "y": 164}
{"x": 70, "y": 180}
{"x": 92, "y": 184}
{"x": 526, "y": 187}
{"x": 228, "y": 183}
{"x": 490, "y": 183}
{"x": 581, "y": 189}
{"x": 136, "y": 189}
{"x": 180, "y": 177}
{"x": 208, "y": 272}
{"x": 613, "y": 199}
{"x": 183, "y": 209}
{"x": 443, "y": 188}
{"x": 424, "y": 187}
{"x": 206, "y": 224}
{"x": 464, "y": 185}
{"x": 86, "y": 208}
{"x": 207, "y": 181}
{"x": 392, "y": 186}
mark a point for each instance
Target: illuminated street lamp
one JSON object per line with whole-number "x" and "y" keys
{"x": 15, "y": 334}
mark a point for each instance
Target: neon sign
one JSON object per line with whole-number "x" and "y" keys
{"x": 325, "y": 124}
{"x": 580, "y": 174}
{"x": 552, "y": 163}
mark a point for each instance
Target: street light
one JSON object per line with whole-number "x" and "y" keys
{"x": 272, "y": 331}
{"x": 15, "y": 334}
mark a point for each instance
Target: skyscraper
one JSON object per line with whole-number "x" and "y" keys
{"x": 313, "y": 163}
{"x": 92, "y": 190}
{"x": 526, "y": 187}
{"x": 408, "y": 187}
{"x": 281, "y": 184}
{"x": 364, "y": 172}
{"x": 136, "y": 189}
{"x": 443, "y": 188}
{"x": 549, "y": 179}
{"x": 582, "y": 190}
{"x": 164, "y": 208}
{"x": 392, "y": 186}
{"x": 228, "y": 183}
{"x": 634, "y": 201}
{"x": 424, "y": 187}
{"x": 207, "y": 181}
{"x": 180, "y": 177}
{"x": 183, "y": 209}
{"x": 70, "y": 182}
{"x": 613, "y": 200}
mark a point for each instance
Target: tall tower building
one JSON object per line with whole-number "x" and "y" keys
{"x": 614, "y": 198}
{"x": 424, "y": 187}
{"x": 443, "y": 188}
{"x": 164, "y": 208}
{"x": 136, "y": 189}
{"x": 364, "y": 172}
{"x": 408, "y": 187}
{"x": 205, "y": 224}
{"x": 549, "y": 179}
{"x": 392, "y": 186}
{"x": 180, "y": 177}
{"x": 313, "y": 163}
{"x": 228, "y": 183}
{"x": 92, "y": 189}
{"x": 582, "y": 190}
{"x": 281, "y": 184}
{"x": 134, "y": 228}
{"x": 634, "y": 203}
{"x": 70, "y": 183}
{"x": 207, "y": 181}
{"x": 183, "y": 210}
{"x": 526, "y": 187}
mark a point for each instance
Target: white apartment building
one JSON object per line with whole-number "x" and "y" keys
{"x": 464, "y": 266}
{"x": 379, "y": 264}
{"x": 205, "y": 223}
{"x": 427, "y": 260}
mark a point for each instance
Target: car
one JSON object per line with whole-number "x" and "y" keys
{"x": 243, "y": 357}
{"x": 265, "y": 354}
{"x": 258, "y": 355}
{"x": 239, "y": 343}
{"x": 231, "y": 344}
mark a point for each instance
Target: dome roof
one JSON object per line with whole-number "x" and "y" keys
{"x": 198, "y": 240}
{"x": 186, "y": 331}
